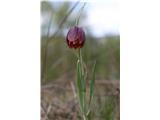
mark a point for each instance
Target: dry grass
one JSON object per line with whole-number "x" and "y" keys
{"x": 58, "y": 101}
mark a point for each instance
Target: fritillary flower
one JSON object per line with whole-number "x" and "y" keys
{"x": 75, "y": 37}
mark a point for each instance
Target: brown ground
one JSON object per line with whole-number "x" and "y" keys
{"x": 58, "y": 100}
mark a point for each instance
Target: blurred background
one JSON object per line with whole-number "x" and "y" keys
{"x": 100, "y": 21}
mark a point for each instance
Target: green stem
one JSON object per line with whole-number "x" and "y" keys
{"x": 77, "y": 21}
{"x": 83, "y": 83}
{"x": 84, "y": 117}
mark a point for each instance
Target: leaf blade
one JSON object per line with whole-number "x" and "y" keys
{"x": 92, "y": 82}
{"x": 79, "y": 85}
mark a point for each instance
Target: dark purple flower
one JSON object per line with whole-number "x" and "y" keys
{"x": 75, "y": 37}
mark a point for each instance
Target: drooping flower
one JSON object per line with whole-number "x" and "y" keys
{"x": 75, "y": 37}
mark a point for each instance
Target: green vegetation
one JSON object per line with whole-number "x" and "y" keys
{"x": 61, "y": 60}
{"x": 61, "y": 70}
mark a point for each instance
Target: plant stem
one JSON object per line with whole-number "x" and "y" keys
{"x": 77, "y": 21}
{"x": 84, "y": 117}
{"x": 83, "y": 83}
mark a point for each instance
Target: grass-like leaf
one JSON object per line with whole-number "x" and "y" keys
{"x": 92, "y": 82}
{"x": 79, "y": 85}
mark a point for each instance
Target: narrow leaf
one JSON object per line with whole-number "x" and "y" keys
{"x": 79, "y": 85}
{"x": 92, "y": 82}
